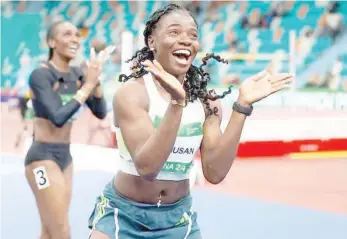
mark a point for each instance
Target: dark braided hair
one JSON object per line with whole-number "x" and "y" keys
{"x": 196, "y": 78}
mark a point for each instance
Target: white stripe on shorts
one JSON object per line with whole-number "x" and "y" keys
{"x": 116, "y": 223}
{"x": 189, "y": 226}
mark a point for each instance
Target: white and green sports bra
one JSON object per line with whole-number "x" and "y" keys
{"x": 189, "y": 136}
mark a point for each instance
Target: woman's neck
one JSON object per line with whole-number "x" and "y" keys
{"x": 60, "y": 64}
{"x": 181, "y": 78}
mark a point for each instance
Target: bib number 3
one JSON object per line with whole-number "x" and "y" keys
{"x": 41, "y": 177}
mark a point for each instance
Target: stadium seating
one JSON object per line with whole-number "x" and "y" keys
{"x": 107, "y": 20}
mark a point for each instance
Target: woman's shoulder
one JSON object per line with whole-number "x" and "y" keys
{"x": 41, "y": 72}
{"x": 132, "y": 91}
{"x": 132, "y": 87}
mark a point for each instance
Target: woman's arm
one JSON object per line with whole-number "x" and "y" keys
{"x": 49, "y": 101}
{"x": 149, "y": 147}
{"x": 97, "y": 103}
{"x": 218, "y": 150}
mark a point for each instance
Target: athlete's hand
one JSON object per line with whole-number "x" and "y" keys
{"x": 166, "y": 80}
{"x": 263, "y": 84}
{"x": 96, "y": 63}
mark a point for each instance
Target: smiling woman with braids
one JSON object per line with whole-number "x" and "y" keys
{"x": 163, "y": 118}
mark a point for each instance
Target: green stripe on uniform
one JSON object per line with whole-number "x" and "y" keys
{"x": 100, "y": 209}
{"x": 185, "y": 130}
{"x": 184, "y": 220}
{"x": 177, "y": 167}
{"x": 66, "y": 98}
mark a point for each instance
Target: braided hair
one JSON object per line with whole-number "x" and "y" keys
{"x": 196, "y": 81}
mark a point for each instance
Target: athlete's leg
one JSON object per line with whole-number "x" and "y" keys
{"x": 44, "y": 230}
{"x": 68, "y": 173}
{"x": 51, "y": 201}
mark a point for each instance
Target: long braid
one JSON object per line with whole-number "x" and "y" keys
{"x": 197, "y": 79}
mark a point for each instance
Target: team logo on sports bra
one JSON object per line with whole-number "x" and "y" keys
{"x": 66, "y": 98}
{"x": 185, "y": 130}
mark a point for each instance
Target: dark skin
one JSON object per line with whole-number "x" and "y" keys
{"x": 175, "y": 31}
{"x": 150, "y": 148}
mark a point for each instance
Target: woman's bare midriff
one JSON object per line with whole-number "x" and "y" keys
{"x": 45, "y": 131}
{"x": 140, "y": 190}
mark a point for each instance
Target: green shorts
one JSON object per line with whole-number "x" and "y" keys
{"x": 121, "y": 218}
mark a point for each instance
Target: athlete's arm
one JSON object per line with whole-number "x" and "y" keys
{"x": 97, "y": 103}
{"x": 218, "y": 150}
{"x": 49, "y": 101}
{"x": 148, "y": 147}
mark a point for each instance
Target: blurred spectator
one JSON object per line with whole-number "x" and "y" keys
{"x": 279, "y": 8}
{"x": 333, "y": 6}
{"x": 334, "y": 24}
{"x": 256, "y": 20}
{"x": 266, "y": 20}
{"x": 334, "y": 75}
{"x": 304, "y": 44}
{"x": 277, "y": 35}
{"x": 331, "y": 22}
{"x": 331, "y": 80}
{"x": 232, "y": 40}
{"x": 194, "y": 7}
{"x": 303, "y": 11}
{"x": 253, "y": 20}
{"x": 213, "y": 13}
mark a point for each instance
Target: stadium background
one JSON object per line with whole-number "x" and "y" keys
{"x": 293, "y": 152}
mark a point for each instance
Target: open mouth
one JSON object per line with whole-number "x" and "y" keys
{"x": 73, "y": 49}
{"x": 182, "y": 56}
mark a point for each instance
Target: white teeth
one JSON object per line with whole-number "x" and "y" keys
{"x": 184, "y": 52}
{"x": 73, "y": 47}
